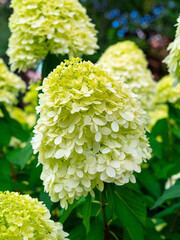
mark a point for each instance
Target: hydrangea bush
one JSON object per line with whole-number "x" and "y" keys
{"x": 22, "y": 218}
{"x": 39, "y": 27}
{"x": 91, "y": 130}
{"x": 90, "y": 137}
{"x": 173, "y": 59}
{"x": 125, "y": 60}
{"x": 10, "y": 85}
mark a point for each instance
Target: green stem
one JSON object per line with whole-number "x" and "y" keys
{"x": 114, "y": 235}
{"x": 175, "y": 220}
{"x": 13, "y": 174}
{"x": 170, "y": 140}
{"x": 106, "y": 230}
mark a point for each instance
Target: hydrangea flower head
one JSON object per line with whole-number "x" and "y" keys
{"x": 173, "y": 59}
{"x": 22, "y": 218}
{"x": 126, "y": 60}
{"x": 91, "y": 130}
{"x": 166, "y": 93}
{"x": 39, "y": 27}
{"x": 10, "y": 85}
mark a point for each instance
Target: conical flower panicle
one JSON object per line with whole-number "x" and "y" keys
{"x": 39, "y": 27}
{"x": 22, "y": 217}
{"x": 10, "y": 85}
{"x": 91, "y": 130}
{"x": 125, "y": 60}
{"x": 173, "y": 58}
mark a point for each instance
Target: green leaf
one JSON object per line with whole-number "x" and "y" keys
{"x": 78, "y": 233}
{"x": 87, "y": 213}
{"x": 46, "y": 199}
{"x": 172, "y": 235}
{"x": 66, "y": 213}
{"x": 176, "y": 132}
{"x": 14, "y": 126}
{"x": 133, "y": 201}
{"x": 5, "y": 132}
{"x": 174, "y": 113}
{"x": 166, "y": 170}
{"x": 157, "y": 149}
{"x": 34, "y": 172}
{"x": 51, "y": 62}
{"x": 4, "y": 30}
{"x": 174, "y": 169}
{"x": 18, "y": 131}
{"x": 5, "y": 175}
{"x": 20, "y": 156}
{"x": 150, "y": 232}
{"x": 172, "y": 192}
{"x": 129, "y": 208}
{"x": 96, "y": 230}
{"x": 161, "y": 129}
{"x": 168, "y": 211}
{"x": 148, "y": 180}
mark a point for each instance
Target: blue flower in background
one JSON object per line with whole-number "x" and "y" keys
{"x": 123, "y": 20}
{"x": 115, "y": 24}
{"x": 134, "y": 14}
{"x": 121, "y": 33}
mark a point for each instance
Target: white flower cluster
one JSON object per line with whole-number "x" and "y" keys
{"x": 166, "y": 93}
{"x": 24, "y": 218}
{"x": 10, "y": 85}
{"x": 91, "y": 130}
{"x": 40, "y": 26}
{"x": 173, "y": 59}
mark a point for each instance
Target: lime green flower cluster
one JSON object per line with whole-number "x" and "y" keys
{"x": 125, "y": 60}
{"x": 160, "y": 111}
{"x": 39, "y": 27}
{"x": 173, "y": 59}
{"x": 21, "y": 116}
{"x": 91, "y": 130}
{"x": 166, "y": 93}
{"x": 31, "y": 98}
{"x": 10, "y": 85}
{"x": 22, "y": 218}
{"x": 18, "y": 114}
